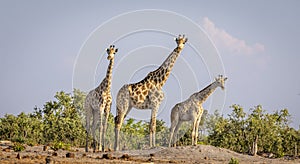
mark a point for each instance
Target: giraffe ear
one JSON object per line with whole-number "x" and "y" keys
{"x": 186, "y": 39}
{"x": 116, "y": 50}
{"x": 225, "y": 78}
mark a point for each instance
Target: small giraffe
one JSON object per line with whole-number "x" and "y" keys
{"x": 98, "y": 102}
{"x": 146, "y": 94}
{"x": 192, "y": 110}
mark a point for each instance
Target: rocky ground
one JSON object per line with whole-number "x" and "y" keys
{"x": 181, "y": 154}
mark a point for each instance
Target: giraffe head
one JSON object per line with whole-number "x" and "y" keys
{"x": 181, "y": 40}
{"x": 111, "y": 51}
{"x": 220, "y": 81}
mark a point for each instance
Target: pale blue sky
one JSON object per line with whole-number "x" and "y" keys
{"x": 258, "y": 42}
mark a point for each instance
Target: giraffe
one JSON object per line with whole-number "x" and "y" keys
{"x": 146, "y": 94}
{"x": 98, "y": 102}
{"x": 192, "y": 110}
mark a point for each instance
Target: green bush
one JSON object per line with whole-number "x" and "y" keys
{"x": 234, "y": 161}
{"x": 60, "y": 145}
{"x": 19, "y": 140}
{"x": 18, "y": 147}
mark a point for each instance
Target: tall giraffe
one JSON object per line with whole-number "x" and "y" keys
{"x": 146, "y": 94}
{"x": 192, "y": 110}
{"x": 98, "y": 102}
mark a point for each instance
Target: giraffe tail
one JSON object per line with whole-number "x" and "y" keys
{"x": 174, "y": 113}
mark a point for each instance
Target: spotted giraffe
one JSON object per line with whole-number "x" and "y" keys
{"x": 146, "y": 94}
{"x": 98, "y": 104}
{"x": 192, "y": 110}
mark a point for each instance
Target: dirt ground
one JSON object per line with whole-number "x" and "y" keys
{"x": 181, "y": 154}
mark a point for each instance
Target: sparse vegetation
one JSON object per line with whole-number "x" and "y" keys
{"x": 243, "y": 133}
{"x": 18, "y": 147}
{"x": 234, "y": 161}
{"x": 60, "y": 145}
{"x": 60, "y": 124}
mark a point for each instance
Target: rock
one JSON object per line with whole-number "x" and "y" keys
{"x": 107, "y": 156}
{"x": 6, "y": 149}
{"x": 55, "y": 154}
{"x": 125, "y": 156}
{"x": 151, "y": 159}
{"x": 6, "y": 143}
{"x": 45, "y": 148}
{"x": 271, "y": 155}
{"x": 151, "y": 155}
{"x": 26, "y": 156}
{"x": 70, "y": 155}
{"x": 38, "y": 157}
{"x": 19, "y": 156}
{"x": 48, "y": 160}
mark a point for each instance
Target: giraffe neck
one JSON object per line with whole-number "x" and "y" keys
{"x": 202, "y": 95}
{"x": 109, "y": 72}
{"x": 160, "y": 75}
{"x": 106, "y": 83}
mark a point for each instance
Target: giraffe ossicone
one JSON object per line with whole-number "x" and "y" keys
{"x": 192, "y": 110}
{"x": 146, "y": 94}
{"x": 98, "y": 105}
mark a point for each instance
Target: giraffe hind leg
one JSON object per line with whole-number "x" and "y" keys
{"x": 174, "y": 122}
{"x": 88, "y": 117}
{"x": 94, "y": 127}
{"x": 123, "y": 108}
{"x": 175, "y": 132}
{"x": 119, "y": 119}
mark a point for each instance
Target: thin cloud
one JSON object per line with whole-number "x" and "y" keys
{"x": 232, "y": 44}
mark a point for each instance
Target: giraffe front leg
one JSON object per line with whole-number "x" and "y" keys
{"x": 198, "y": 123}
{"x": 153, "y": 127}
{"x": 172, "y": 129}
{"x": 156, "y": 97}
{"x": 194, "y": 131}
{"x": 101, "y": 128}
{"x": 197, "y": 129}
{"x": 106, "y": 115}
